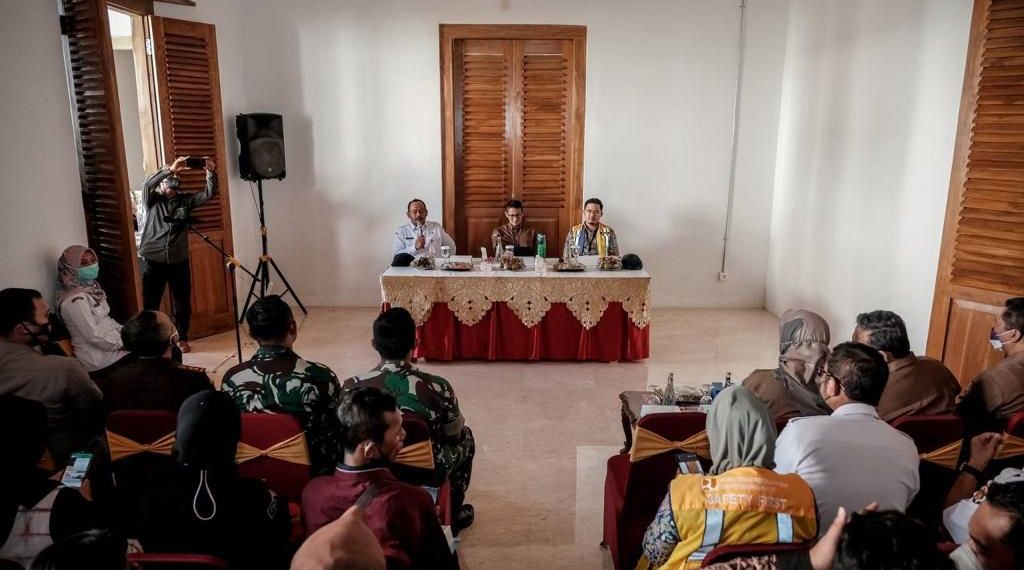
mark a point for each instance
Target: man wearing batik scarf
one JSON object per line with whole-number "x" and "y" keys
{"x": 427, "y": 395}
{"x": 277, "y": 380}
{"x": 592, "y": 237}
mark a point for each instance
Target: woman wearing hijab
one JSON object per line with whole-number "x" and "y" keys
{"x": 741, "y": 501}
{"x": 82, "y": 305}
{"x": 792, "y": 388}
{"x": 35, "y": 511}
{"x": 205, "y": 506}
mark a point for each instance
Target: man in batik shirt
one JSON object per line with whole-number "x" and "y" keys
{"x": 278, "y": 380}
{"x": 426, "y": 395}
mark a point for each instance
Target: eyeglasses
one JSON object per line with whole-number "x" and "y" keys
{"x": 826, "y": 375}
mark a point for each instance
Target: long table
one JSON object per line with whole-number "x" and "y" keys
{"x": 524, "y": 315}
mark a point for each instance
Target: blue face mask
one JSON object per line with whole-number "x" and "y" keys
{"x": 89, "y": 272}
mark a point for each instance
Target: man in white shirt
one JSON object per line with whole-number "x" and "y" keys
{"x": 851, "y": 458}
{"x": 420, "y": 237}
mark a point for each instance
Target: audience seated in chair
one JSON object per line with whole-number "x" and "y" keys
{"x": 791, "y": 389}
{"x": 971, "y": 486}
{"x": 35, "y": 510}
{"x": 887, "y": 540}
{"x": 73, "y": 403}
{"x": 429, "y": 396}
{"x": 278, "y": 380}
{"x": 998, "y": 393}
{"x": 94, "y": 549}
{"x": 917, "y": 385}
{"x": 700, "y": 512}
{"x": 148, "y": 378}
{"x": 82, "y": 305}
{"x": 996, "y": 531}
{"x": 204, "y": 506}
{"x": 851, "y": 458}
{"x": 401, "y": 516}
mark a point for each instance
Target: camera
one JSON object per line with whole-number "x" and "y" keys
{"x": 195, "y": 162}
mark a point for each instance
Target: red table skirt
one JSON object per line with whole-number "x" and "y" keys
{"x": 559, "y": 336}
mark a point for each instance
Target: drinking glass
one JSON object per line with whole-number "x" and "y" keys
{"x": 446, "y": 253}
{"x": 574, "y": 252}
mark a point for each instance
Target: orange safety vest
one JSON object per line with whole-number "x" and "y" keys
{"x": 747, "y": 505}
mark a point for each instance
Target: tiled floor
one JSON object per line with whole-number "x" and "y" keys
{"x": 544, "y": 430}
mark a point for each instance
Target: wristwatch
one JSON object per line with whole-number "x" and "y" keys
{"x": 965, "y": 468}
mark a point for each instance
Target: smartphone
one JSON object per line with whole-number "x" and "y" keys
{"x": 689, "y": 463}
{"x": 77, "y": 470}
{"x": 195, "y": 162}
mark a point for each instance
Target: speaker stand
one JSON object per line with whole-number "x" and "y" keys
{"x": 262, "y": 275}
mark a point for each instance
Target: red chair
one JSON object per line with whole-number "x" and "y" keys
{"x": 633, "y": 491}
{"x": 161, "y": 559}
{"x": 782, "y": 421}
{"x": 140, "y": 443}
{"x": 732, "y": 552}
{"x": 939, "y": 439}
{"x": 417, "y": 431}
{"x": 273, "y": 448}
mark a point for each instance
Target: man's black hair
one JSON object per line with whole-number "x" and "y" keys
{"x": 402, "y": 260}
{"x": 632, "y": 261}
{"x": 269, "y": 318}
{"x": 413, "y": 201}
{"x": 886, "y": 331}
{"x": 1013, "y": 315}
{"x": 888, "y": 540}
{"x": 513, "y": 203}
{"x": 861, "y": 370}
{"x": 17, "y": 306}
{"x": 394, "y": 334}
{"x": 361, "y": 414}
{"x": 143, "y": 335}
{"x": 91, "y": 548}
{"x": 1009, "y": 498}
{"x": 594, "y": 201}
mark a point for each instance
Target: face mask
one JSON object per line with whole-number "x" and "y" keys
{"x": 997, "y": 342}
{"x": 89, "y": 272}
{"x": 40, "y": 336}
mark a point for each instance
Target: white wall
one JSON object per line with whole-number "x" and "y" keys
{"x": 358, "y": 85}
{"x": 40, "y": 192}
{"x": 869, "y": 109}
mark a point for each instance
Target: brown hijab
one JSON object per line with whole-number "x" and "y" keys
{"x": 803, "y": 347}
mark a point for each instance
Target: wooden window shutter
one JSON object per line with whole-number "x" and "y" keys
{"x": 187, "y": 81}
{"x": 982, "y": 259}
{"x": 97, "y": 119}
{"x": 512, "y": 127}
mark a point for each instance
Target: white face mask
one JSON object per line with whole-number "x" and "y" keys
{"x": 996, "y": 341}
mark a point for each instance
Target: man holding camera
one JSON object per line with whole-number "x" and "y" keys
{"x": 164, "y": 243}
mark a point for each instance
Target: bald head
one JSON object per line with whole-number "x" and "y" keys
{"x": 148, "y": 334}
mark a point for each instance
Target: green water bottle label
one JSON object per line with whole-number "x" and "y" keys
{"x": 542, "y": 246}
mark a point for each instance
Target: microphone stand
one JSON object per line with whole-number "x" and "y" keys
{"x": 232, "y": 264}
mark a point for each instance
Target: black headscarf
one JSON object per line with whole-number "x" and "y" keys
{"x": 23, "y": 438}
{"x": 209, "y": 426}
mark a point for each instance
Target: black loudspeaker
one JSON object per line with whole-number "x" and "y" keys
{"x": 261, "y": 141}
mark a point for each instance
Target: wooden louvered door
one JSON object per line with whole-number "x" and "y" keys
{"x": 512, "y": 102}
{"x": 982, "y": 259}
{"x": 97, "y": 119}
{"x": 191, "y": 123}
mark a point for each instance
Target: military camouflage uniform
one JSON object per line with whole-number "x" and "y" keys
{"x": 432, "y": 398}
{"x": 278, "y": 380}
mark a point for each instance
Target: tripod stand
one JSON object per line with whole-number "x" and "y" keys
{"x": 232, "y": 265}
{"x": 262, "y": 275}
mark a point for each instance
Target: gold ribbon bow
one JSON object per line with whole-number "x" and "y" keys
{"x": 121, "y": 446}
{"x": 646, "y": 444}
{"x": 1012, "y": 447}
{"x": 292, "y": 450}
{"x": 417, "y": 455}
{"x": 945, "y": 456}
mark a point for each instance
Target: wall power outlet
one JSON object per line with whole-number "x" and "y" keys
{"x": 723, "y": 276}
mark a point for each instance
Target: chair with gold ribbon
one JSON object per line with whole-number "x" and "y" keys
{"x": 635, "y": 483}
{"x": 140, "y": 444}
{"x": 415, "y": 463}
{"x": 1011, "y": 452}
{"x": 939, "y": 441}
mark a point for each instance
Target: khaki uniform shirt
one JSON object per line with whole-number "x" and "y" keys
{"x": 522, "y": 238}
{"x": 780, "y": 401}
{"x": 918, "y": 385}
{"x": 995, "y": 394}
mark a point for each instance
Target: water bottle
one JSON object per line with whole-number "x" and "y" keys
{"x": 542, "y": 246}
{"x": 705, "y": 403}
{"x": 728, "y": 379}
{"x": 670, "y": 391}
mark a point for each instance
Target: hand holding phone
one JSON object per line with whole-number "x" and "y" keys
{"x": 195, "y": 162}
{"x": 77, "y": 470}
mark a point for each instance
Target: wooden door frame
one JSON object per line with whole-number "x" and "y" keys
{"x": 449, "y": 33}
{"x": 945, "y": 289}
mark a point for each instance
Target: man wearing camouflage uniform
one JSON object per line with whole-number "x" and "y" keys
{"x": 280, "y": 381}
{"x": 428, "y": 396}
